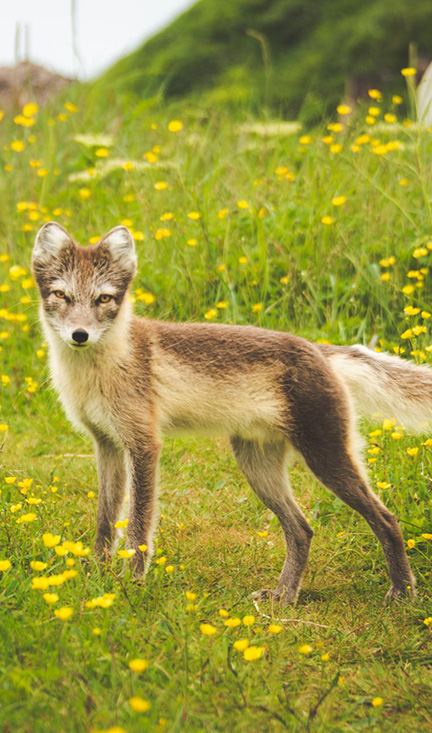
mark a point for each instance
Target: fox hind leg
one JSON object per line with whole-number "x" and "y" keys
{"x": 265, "y": 468}
{"x": 327, "y": 445}
{"x": 351, "y": 485}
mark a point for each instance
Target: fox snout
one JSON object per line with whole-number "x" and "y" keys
{"x": 80, "y": 336}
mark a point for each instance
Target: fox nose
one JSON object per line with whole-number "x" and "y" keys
{"x": 80, "y": 336}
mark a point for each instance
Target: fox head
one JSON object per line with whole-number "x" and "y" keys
{"x": 84, "y": 290}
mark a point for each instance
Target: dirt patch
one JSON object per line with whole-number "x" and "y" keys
{"x": 28, "y": 82}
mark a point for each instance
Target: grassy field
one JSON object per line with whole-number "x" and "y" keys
{"x": 326, "y": 233}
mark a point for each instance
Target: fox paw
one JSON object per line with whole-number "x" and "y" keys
{"x": 395, "y": 592}
{"x": 280, "y": 595}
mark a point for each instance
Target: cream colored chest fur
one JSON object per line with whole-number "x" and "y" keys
{"x": 82, "y": 388}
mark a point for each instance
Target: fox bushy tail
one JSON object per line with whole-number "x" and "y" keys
{"x": 384, "y": 386}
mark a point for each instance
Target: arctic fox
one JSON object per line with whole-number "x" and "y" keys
{"x": 130, "y": 381}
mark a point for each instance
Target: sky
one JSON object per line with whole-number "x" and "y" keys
{"x": 106, "y": 30}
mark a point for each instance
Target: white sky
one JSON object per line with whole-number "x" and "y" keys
{"x": 106, "y": 30}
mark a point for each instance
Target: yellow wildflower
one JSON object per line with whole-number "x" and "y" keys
{"x": 63, "y": 613}
{"x": 241, "y": 644}
{"x": 17, "y": 146}
{"x": 305, "y": 649}
{"x": 50, "y": 540}
{"x": 208, "y": 629}
{"x": 231, "y": 623}
{"x": 420, "y": 252}
{"x": 252, "y": 653}
{"x": 38, "y": 565}
{"x": 26, "y": 518}
{"x": 248, "y": 620}
{"x": 138, "y": 665}
{"x": 139, "y": 705}
{"x": 211, "y": 314}
{"x": 162, "y": 233}
{"x": 51, "y": 597}
{"x": 407, "y": 334}
{"x": 274, "y": 629}
{"x": 338, "y": 200}
{"x": 388, "y": 261}
{"x": 175, "y": 126}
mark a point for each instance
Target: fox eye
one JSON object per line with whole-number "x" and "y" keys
{"x": 59, "y": 294}
{"x": 104, "y": 298}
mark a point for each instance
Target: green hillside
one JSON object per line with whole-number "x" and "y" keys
{"x": 299, "y": 56}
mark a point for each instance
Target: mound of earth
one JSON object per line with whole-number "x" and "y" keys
{"x": 28, "y": 81}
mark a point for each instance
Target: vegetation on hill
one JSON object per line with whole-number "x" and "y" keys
{"x": 299, "y": 56}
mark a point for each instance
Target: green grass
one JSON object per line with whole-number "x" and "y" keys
{"x": 223, "y": 543}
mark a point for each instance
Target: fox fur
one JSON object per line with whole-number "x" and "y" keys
{"x": 129, "y": 382}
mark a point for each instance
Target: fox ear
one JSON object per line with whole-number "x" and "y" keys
{"x": 49, "y": 241}
{"x": 120, "y": 243}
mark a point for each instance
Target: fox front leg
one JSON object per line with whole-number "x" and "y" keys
{"x": 143, "y": 462}
{"x": 112, "y": 486}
